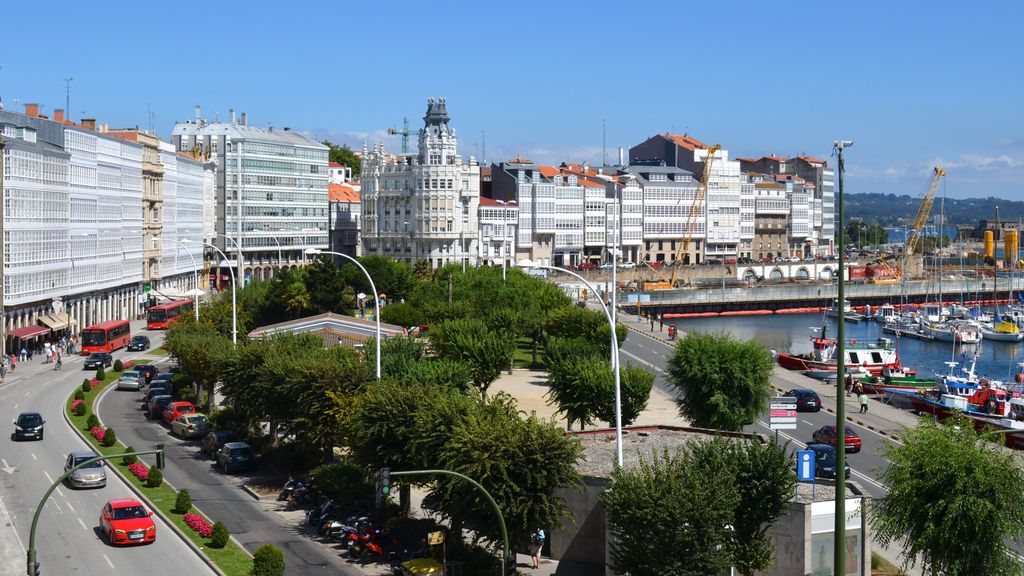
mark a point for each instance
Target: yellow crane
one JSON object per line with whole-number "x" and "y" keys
{"x": 695, "y": 212}
{"x": 914, "y": 237}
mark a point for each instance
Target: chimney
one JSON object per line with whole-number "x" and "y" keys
{"x": 622, "y": 157}
{"x": 89, "y": 123}
{"x": 245, "y": 118}
{"x": 58, "y": 115}
{"x": 199, "y": 115}
{"x": 32, "y": 110}
{"x": 232, "y": 112}
{"x": 104, "y": 128}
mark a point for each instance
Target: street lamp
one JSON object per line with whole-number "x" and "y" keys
{"x": 504, "y": 233}
{"x": 234, "y": 298}
{"x": 195, "y": 271}
{"x": 238, "y": 249}
{"x": 839, "y": 536}
{"x": 373, "y": 287}
{"x": 615, "y": 349}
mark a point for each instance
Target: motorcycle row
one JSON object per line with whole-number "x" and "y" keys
{"x": 362, "y": 539}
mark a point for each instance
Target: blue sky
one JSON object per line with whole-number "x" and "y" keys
{"x": 912, "y": 83}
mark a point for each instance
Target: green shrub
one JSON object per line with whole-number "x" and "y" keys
{"x": 155, "y": 479}
{"x": 80, "y": 410}
{"x": 129, "y": 460}
{"x": 268, "y": 561}
{"x": 187, "y": 394}
{"x": 119, "y": 366}
{"x": 100, "y": 374}
{"x": 344, "y": 482}
{"x": 219, "y": 538}
{"x": 109, "y": 438}
{"x": 86, "y": 386}
{"x": 93, "y": 421}
{"x": 183, "y": 503}
{"x": 79, "y": 395}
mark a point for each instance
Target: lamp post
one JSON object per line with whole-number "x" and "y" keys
{"x": 278, "y": 242}
{"x": 195, "y": 272}
{"x": 234, "y": 300}
{"x": 373, "y": 287}
{"x": 615, "y": 350}
{"x": 839, "y": 536}
{"x": 238, "y": 249}
{"x": 504, "y": 234}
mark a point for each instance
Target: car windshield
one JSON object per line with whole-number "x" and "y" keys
{"x": 96, "y": 464}
{"x": 241, "y": 452}
{"x": 139, "y": 339}
{"x": 131, "y": 375}
{"x": 198, "y": 420}
{"x": 129, "y": 512}
{"x": 186, "y": 409}
{"x": 96, "y": 355}
{"x": 30, "y": 420}
{"x": 93, "y": 337}
{"x": 157, "y": 315}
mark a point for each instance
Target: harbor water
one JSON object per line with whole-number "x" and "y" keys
{"x": 792, "y": 333}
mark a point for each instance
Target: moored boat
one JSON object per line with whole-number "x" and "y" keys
{"x": 871, "y": 357}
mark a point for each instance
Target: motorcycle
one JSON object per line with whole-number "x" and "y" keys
{"x": 289, "y": 489}
{"x": 317, "y": 514}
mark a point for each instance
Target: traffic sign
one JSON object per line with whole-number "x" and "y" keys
{"x": 779, "y": 426}
{"x": 782, "y": 420}
{"x": 805, "y": 465}
{"x": 775, "y": 413}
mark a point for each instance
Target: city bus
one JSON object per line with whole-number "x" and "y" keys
{"x": 106, "y": 336}
{"x": 158, "y": 317}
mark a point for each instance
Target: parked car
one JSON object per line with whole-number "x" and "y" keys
{"x": 825, "y": 461}
{"x": 163, "y": 380}
{"x": 138, "y": 343}
{"x": 28, "y": 425}
{"x": 125, "y": 521}
{"x": 91, "y": 476}
{"x": 157, "y": 405}
{"x": 97, "y": 359}
{"x": 148, "y": 370}
{"x": 741, "y": 260}
{"x": 213, "y": 441}
{"x": 806, "y": 400}
{"x": 130, "y": 380}
{"x": 175, "y": 409}
{"x": 828, "y": 435}
{"x": 153, "y": 392}
{"x": 652, "y": 265}
{"x": 627, "y": 265}
{"x": 190, "y": 425}
{"x": 589, "y": 267}
{"x": 235, "y": 456}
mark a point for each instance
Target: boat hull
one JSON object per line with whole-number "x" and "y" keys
{"x": 791, "y": 362}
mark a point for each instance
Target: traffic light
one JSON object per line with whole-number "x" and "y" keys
{"x": 160, "y": 456}
{"x": 385, "y": 481}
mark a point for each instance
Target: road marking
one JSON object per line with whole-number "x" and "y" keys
{"x": 6, "y": 468}
{"x": 84, "y": 527}
{"x": 10, "y": 522}
{"x": 47, "y": 474}
{"x": 26, "y": 394}
{"x": 108, "y": 561}
{"x": 642, "y": 361}
{"x": 68, "y": 504}
{"x": 34, "y": 456}
{"x": 16, "y": 406}
{"x": 61, "y": 493}
{"x": 806, "y": 422}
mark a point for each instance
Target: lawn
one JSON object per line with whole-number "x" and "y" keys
{"x": 231, "y": 559}
{"x": 523, "y": 356}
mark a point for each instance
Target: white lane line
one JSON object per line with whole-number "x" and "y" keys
{"x": 10, "y": 522}
{"x": 84, "y": 527}
{"x": 68, "y": 504}
{"x": 26, "y": 394}
{"x": 806, "y": 422}
{"x": 59, "y": 491}
{"x": 108, "y": 561}
{"x": 48, "y": 477}
{"x": 16, "y": 406}
{"x": 642, "y": 361}
{"x": 33, "y": 455}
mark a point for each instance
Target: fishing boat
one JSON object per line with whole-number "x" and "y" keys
{"x": 872, "y": 356}
{"x": 848, "y": 313}
{"x": 890, "y": 381}
{"x": 887, "y": 314}
{"x": 951, "y": 332}
{"x": 988, "y": 408}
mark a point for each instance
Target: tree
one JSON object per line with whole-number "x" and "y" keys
{"x": 343, "y": 155}
{"x": 469, "y": 340}
{"x": 268, "y": 561}
{"x": 401, "y": 314}
{"x": 325, "y": 285}
{"x": 723, "y": 383}
{"x": 954, "y": 502}
{"x": 201, "y": 352}
{"x": 765, "y": 483}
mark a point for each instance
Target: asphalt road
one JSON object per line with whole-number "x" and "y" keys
{"x": 252, "y": 523}
{"x": 68, "y": 540}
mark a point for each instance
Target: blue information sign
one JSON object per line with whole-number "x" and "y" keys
{"x": 805, "y": 465}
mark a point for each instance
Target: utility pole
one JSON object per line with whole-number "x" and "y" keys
{"x": 67, "y": 94}
{"x": 604, "y": 142}
{"x": 839, "y": 535}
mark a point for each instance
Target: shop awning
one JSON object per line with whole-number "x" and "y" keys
{"x": 57, "y": 322}
{"x": 28, "y": 332}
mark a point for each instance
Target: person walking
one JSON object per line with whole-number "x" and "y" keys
{"x": 14, "y": 362}
{"x": 536, "y": 544}
{"x": 863, "y": 402}
{"x": 24, "y": 354}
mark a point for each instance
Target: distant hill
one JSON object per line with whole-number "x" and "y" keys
{"x": 893, "y": 210}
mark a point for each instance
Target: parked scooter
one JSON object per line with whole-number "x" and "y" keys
{"x": 317, "y": 514}
{"x": 289, "y": 489}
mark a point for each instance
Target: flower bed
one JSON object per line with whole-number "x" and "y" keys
{"x": 76, "y": 404}
{"x": 98, "y": 432}
{"x": 139, "y": 470}
{"x": 199, "y": 524}
{"x": 94, "y": 383}
{"x": 128, "y": 364}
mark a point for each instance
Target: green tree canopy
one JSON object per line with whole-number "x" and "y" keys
{"x": 723, "y": 383}
{"x": 485, "y": 351}
{"x": 954, "y": 502}
{"x": 342, "y": 154}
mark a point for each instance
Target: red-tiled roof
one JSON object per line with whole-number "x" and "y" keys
{"x": 492, "y": 203}
{"x": 774, "y": 158}
{"x": 335, "y": 165}
{"x": 549, "y": 171}
{"x": 685, "y": 140}
{"x": 589, "y": 183}
{"x": 342, "y": 193}
{"x": 810, "y": 159}
{"x": 745, "y": 160}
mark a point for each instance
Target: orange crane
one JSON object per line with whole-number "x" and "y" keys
{"x": 696, "y": 209}
{"x": 913, "y": 239}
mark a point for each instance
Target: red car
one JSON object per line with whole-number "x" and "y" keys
{"x": 587, "y": 267}
{"x": 125, "y": 521}
{"x": 827, "y": 435}
{"x": 175, "y": 409}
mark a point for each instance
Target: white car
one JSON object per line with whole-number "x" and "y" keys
{"x": 627, "y": 265}
{"x": 130, "y": 380}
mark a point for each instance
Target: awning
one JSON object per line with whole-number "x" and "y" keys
{"x": 28, "y": 332}
{"x": 57, "y": 321}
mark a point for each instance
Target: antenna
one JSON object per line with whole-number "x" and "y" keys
{"x": 67, "y": 93}
{"x": 151, "y": 115}
{"x": 483, "y": 146}
{"x": 604, "y": 142}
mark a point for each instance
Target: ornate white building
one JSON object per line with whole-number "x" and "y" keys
{"x": 422, "y": 206}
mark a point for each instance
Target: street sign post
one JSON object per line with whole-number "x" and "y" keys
{"x": 805, "y": 465}
{"x": 782, "y": 413}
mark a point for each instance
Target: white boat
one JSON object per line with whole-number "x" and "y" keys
{"x": 951, "y": 332}
{"x": 934, "y": 313}
{"x": 1005, "y": 331}
{"x": 886, "y": 313}
{"x": 848, "y": 313}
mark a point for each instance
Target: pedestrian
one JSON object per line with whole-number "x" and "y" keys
{"x": 24, "y": 354}
{"x": 849, "y": 384}
{"x": 536, "y": 544}
{"x": 14, "y": 362}
{"x": 863, "y": 402}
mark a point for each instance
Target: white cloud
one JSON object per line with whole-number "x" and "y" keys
{"x": 980, "y": 162}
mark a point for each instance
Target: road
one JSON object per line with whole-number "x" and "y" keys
{"x": 68, "y": 540}
{"x": 252, "y": 523}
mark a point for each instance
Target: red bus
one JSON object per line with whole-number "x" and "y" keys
{"x": 160, "y": 316}
{"x": 106, "y": 336}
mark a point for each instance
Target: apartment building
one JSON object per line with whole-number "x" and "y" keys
{"x": 498, "y": 220}
{"x": 73, "y": 226}
{"x": 422, "y": 206}
{"x": 346, "y": 219}
{"x": 271, "y": 193}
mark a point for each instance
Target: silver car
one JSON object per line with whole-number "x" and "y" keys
{"x": 131, "y": 380}
{"x": 91, "y": 476}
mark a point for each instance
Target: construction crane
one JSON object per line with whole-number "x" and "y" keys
{"x": 913, "y": 239}
{"x": 404, "y": 133}
{"x": 695, "y": 212}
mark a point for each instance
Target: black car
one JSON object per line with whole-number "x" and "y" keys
{"x": 235, "y": 456}
{"x": 97, "y": 359}
{"x": 825, "y": 461}
{"x": 806, "y": 400}
{"x": 153, "y": 392}
{"x": 157, "y": 405}
{"x": 29, "y": 425}
{"x": 164, "y": 381}
{"x": 148, "y": 370}
{"x": 213, "y": 441}
{"x": 138, "y": 343}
